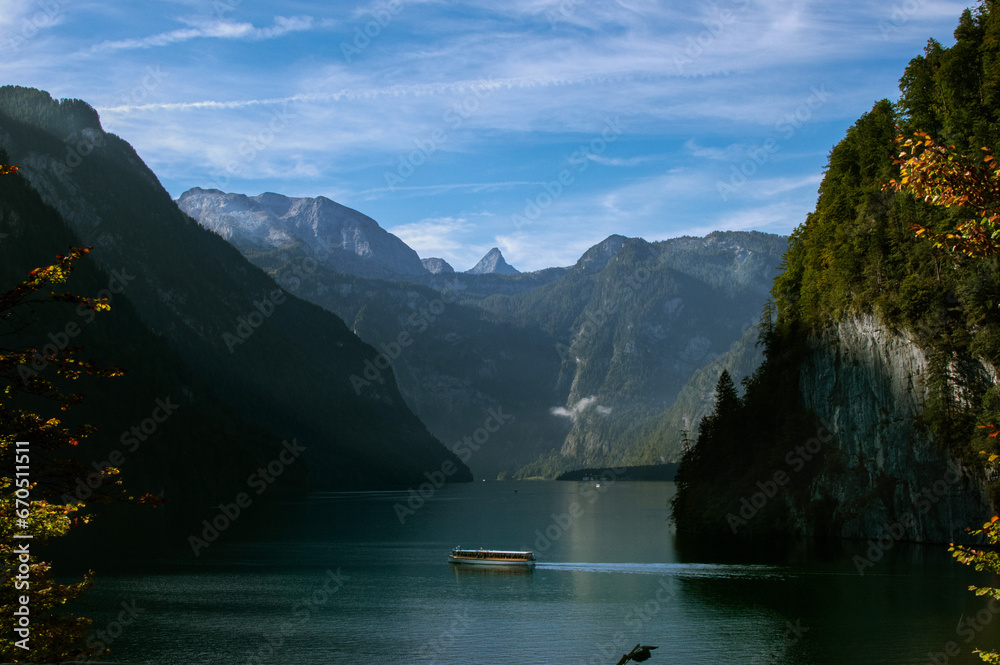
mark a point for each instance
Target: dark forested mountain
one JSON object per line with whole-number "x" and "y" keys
{"x": 633, "y": 321}
{"x": 572, "y": 357}
{"x": 168, "y": 454}
{"x": 883, "y": 351}
{"x": 274, "y": 366}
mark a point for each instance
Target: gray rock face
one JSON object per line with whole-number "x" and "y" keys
{"x": 493, "y": 264}
{"x": 437, "y": 266}
{"x": 597, "y": 257}
{"x": 337, "y": 236}
{"x": 866, "y": 384}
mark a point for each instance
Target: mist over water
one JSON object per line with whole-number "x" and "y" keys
{"x": 339, "y": 577}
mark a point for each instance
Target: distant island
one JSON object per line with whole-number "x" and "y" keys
{"x": 663, "y": 472}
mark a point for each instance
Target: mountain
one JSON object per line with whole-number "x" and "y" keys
{"x": 278, "y": 363}
{"x": 574, "y": 357}
{"x": 633, "y": 321}
{"x": 167, "y": 455}
{"x": 882, "y": 352}
{"x": 493, "y": 264}
{"x": 663, "y": 436}
{"x": 339, "y": 237}
{"x": 437, "y": 266}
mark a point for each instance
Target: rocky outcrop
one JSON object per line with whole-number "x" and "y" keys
{"x": 493, "y": 264}
{"x": 437, "y": 266}
{"x": 883, "y": 472}
{"x": 335, "y": 235}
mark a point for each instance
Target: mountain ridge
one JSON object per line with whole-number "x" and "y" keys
{"x": 341, "y": 237}
{"x": 260, "y": 345}
{"x": 476, "y": 342}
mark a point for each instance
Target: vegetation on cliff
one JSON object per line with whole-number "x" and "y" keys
{"x": 858, "y": 254}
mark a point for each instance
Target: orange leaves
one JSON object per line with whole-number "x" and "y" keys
{"x": 6, "y": 169}
{"x": 994, "y": 432}
{"x": 941, "y": 176}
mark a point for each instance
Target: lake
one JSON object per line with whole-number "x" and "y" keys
{"x": 360, "y": 577}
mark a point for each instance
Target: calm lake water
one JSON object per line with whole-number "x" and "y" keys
{"x": 337, "y": 578}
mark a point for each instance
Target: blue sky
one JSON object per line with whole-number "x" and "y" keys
{"x": 537, "y": 126}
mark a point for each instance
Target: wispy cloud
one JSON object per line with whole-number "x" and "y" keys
{"x": 625, "y": 162}
{"x": 575, "y": 410}
{"x": 209, "y": 29}
{"x": 506, "y": 94}
{"x": 729, "y": 153}
{"x": 441, "y": 237}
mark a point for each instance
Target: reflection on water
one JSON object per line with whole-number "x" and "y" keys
{"x": 610, "y": 574}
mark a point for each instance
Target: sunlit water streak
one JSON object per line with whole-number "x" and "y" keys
{"x": 613, "y": 576}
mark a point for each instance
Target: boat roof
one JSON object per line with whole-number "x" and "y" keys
{"x": 462, "y": 549}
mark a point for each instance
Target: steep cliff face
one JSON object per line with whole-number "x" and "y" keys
{"x": 883, "y": 471}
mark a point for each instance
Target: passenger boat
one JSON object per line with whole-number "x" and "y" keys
{"x": 492, "y": 558}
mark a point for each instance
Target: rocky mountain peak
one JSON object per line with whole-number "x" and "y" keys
{"x": 340, "y": 237}
{"x": 598, "y": 256}
{"x": 493, "y": 263}
{"x": 437, "y": 266}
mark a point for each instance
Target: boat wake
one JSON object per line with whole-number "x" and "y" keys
{"x": 711, "y": 570}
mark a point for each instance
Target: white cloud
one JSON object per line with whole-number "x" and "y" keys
{"x": 574, "y": 411}
{"x": 213, "y": 29}
{"x": 732, "y": 152}
{"x": 535, "y": 79}
{"x": 441, "y": 237}
{"x": 630, "y": 161}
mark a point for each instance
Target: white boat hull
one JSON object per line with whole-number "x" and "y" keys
{"x": 507, "y": 559}
{"x": 490, "y": 562}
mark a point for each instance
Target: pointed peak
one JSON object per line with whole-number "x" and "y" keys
{"x": 493, "y": 263}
